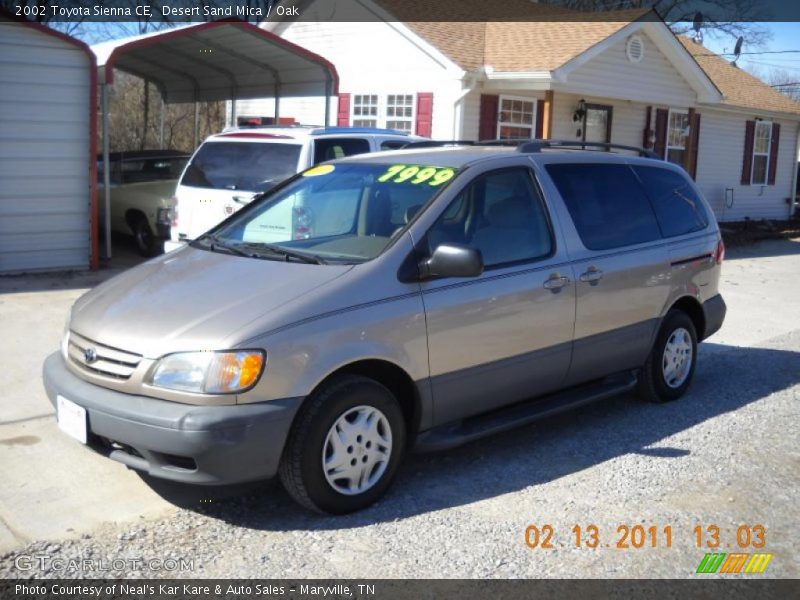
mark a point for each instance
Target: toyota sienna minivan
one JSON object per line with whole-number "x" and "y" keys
{"x": 445, "y": 294}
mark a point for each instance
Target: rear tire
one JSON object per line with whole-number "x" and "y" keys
{"x": 146, "y": 242}
{"x": 345, "y": 446}
{"x": 670, "y": 367}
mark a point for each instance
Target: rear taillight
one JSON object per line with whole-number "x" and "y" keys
{"x": 719, "y": 255}
{"x": 174, "y": 203}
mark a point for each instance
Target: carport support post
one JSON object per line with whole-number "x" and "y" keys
{"x": 106, "y": 171}
{"x": 196, "y": 124}
{"x": 327, "y": 102}
{"x": 161, "y": 126}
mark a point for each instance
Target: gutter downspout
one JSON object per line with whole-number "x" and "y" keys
{"x": 106, "y": 172}
{"x": 458, "y": 125}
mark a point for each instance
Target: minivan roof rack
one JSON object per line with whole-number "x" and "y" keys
{"x": 538, "y": 145}
{"x": 437, "y": 143}
{"x": 346, "y": 130}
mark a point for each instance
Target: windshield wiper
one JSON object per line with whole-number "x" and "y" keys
{"x": 215, "y": 244}
{"x": 286, "y": 253}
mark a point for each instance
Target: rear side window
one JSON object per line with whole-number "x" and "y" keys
{"x": 606, "y": 203}
{"x": 393, "y": 144}
{"x": 332, "y": 148}
{"x": 678, "y": 208}
{"x": 251, "y": 166}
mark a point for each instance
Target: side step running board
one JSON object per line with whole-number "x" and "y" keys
{"x": 449, "y": 436}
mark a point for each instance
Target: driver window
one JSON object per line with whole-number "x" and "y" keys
{"x": 501, "y": 214}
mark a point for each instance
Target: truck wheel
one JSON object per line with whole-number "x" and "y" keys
{"x": 670, "y": 367}
{"x": 345, "y": 446}
{"x": 146, "y": 242}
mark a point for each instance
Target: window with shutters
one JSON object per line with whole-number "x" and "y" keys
{"x": 516, "y": 118}
{"x": 761, "y": 146}
{"x": 392, "y": 111}
{"x": 400, "y": 112}
{"x": 677, "y": 134}
{"x": 365, "y": 110}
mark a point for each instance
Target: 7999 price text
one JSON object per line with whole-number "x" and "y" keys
{"x": 642, "y": 536}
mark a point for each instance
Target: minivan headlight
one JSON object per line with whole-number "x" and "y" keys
{"x": 209, "y": 372}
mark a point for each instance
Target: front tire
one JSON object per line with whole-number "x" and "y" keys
{"x": 670, "y": 367}
{"x": 345, "y": 446}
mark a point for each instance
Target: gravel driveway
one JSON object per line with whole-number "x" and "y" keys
{"x": 726, "y": 455}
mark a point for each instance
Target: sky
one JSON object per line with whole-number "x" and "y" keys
{"x": 785, "y": 36}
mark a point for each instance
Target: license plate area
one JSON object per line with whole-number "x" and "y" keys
{"x": 71, "y": 418}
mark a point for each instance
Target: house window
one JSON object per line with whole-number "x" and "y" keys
{"x": 392, "y": 111}
{"x": 365, "y": 110}
{"x": 677, "y": 133}
{"x": 516, "y": 118}
{"x": 761, "y": 145}
{"x": 400, "y": 112}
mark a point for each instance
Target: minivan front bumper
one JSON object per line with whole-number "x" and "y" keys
{"x": 211, "y": 445}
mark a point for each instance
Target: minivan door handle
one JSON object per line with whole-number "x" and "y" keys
{"x": 555, "y": 282}
{"x": 592, "y": 275}
{"x": 244, "y": 199}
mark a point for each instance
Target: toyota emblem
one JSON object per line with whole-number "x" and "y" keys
{"x": 90, "y": 355}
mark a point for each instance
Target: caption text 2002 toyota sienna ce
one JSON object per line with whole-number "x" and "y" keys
{"x": 441, "y": 294}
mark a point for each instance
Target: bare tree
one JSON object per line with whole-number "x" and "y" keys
{"x": 729, "y": 18}
{"x": 784, "y": 82}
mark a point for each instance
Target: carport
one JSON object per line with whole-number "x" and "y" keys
{"x": 220, "y": 60}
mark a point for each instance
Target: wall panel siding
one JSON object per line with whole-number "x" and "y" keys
{"x": 719, "y": 167}
{"x": 627, "y": 119}
{"x": 370, "y": 57}
{"x": 44, "y": 152}
{"x": 611, "y": 75}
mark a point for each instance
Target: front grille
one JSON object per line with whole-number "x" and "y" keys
{"x": 109, "y": 362}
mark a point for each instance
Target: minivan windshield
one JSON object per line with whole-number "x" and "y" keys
{"x": 345, "y": 212}
{"x": 250, "y": 166}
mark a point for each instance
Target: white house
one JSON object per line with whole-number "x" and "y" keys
{"x": 629, "y": 80}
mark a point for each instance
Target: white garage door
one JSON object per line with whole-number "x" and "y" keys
{"x": 44, "y": 151}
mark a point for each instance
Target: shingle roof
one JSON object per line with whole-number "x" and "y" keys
{"x": 738, "y": 86}
{"x": 512, "y": 35}
{"x": 520, "y": 35}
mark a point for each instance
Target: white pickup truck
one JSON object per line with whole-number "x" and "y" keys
{"x": 142, "y": 190}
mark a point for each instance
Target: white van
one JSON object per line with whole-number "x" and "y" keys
{"x": 229, "y": 169}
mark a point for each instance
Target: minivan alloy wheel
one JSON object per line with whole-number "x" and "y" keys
{"x": 357, "y": 450}
{"x": 677, "y": 360}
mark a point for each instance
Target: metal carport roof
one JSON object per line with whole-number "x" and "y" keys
{"x": 220, "y": 60}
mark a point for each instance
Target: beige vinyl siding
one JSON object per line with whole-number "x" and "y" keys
{"x": 611, "y": 75}
{"x": 719, "y": 167}
{"x": 44, "y": 151}
{"x": 627, "y": 118}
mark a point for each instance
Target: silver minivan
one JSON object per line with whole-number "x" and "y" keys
{"x": 446, "y": 294}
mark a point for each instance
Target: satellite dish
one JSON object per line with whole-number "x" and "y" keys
{"x": 697, "y": 24}
{"x": 737, "y": 50}
{"x": 698, "y": 21}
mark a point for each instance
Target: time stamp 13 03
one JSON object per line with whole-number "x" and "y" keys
{"x": 638, "y": 536}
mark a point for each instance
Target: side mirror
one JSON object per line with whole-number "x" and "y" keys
{"x": 452, "y": 260}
